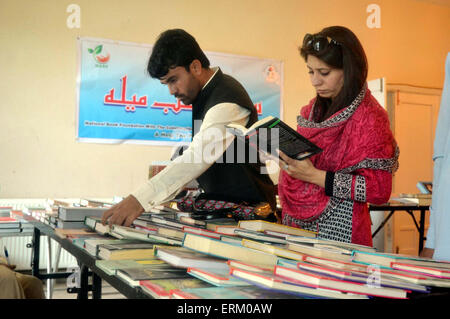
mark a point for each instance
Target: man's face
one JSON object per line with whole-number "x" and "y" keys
{"x": 182, "y": 84}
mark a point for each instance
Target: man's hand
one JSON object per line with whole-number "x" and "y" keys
{"x": 123, "y": 213}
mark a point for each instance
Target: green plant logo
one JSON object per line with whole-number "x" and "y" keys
{"x": 98, "y": 56}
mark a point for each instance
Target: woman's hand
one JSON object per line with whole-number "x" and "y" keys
{"x": 303, "y": 170}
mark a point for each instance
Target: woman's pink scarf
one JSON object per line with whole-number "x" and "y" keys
{"x": 358, "y": 132}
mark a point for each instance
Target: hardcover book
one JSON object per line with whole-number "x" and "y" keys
{"x": 125, "y": 251}
{"x": 110, "y": 267}
{"x": 430, "y": 271}
{"x": 373, "y": 277}
{"x": 252, "y": 234}
{"x": 250, "y": 292}
{"x": 186, "y": 258}
{"x": 227, "y": 250}
{"x": 325, "y": 252}
{"x": 272, "y": 249}
{"x": 79, "y": 213}
{"x": 216, "y": 277}
{"x": 385, "y": 260}
{"x": 262, "y": 225}
{"x": 133, "y": 276}
{"x": 325, "y": 243}
{"x": 270, "y": 133}
{"x": 162, "y": 288}
{"x": 269, "y": 280}
{"x": 320, "y": 281}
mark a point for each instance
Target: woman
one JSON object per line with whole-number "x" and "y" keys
{"x": 329, "y": 192}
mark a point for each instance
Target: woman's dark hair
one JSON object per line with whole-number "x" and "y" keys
{"x": 174, "y": 48}
{"x": 345, "y": 52}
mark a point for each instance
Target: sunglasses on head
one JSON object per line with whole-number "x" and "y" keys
{"x": 318, "y": 42}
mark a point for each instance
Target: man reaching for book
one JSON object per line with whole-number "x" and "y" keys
{"x": 217, "y": 100}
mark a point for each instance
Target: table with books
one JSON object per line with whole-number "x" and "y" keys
{"x": 408, "y": 205}
{"x": 170, "y": 254}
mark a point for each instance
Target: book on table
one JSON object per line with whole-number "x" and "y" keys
{"x": 320, "y": 281}
{"x": 388, "y": 273}
{"x": 250, "y": 266}
{"x": 95, "y": 223}
{"x": 270, "y": 133}
{"x": 269, "y": 280}
{"x": 216, "y": 277}
{"x": 132, "y": 233}
{"x": 385, "y": 260}
{"x": 79, "y": 240}
{"x": 374, "y": 276}
{"x": 336, "y": 264}
{"x": 125, "y": 251}
{"x": 185, "y": 258}
{"x": 9, "y": 222}
{"x": 327, "y": 242}
{"x": 163, "y": 230}
{"x": 91, "y": 245}
{"x": 214, "y": 224}
{"x": 430, "y": 271}
{"x": 249, "y": 292}
{"x": 325, "y": 252}
{"x": 133, "y": 276}
{"x": 160, "y": 220}
{"x": 416, "y": 278}
{"x": 252, "y": 234}
{"x": 280, "y": 251}
{"x": 66, "y": 233}
{"x": 64, "y": 224}
{"x": 79, "y": 213}
{"x": 201, "y": 231}
{"x": 227, "y": 250}
{"x": 110, "y": 267}
{"x": 161, "y": 288}
{"x": 262, "y": 225}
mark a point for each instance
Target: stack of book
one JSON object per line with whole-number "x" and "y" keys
{"x": 9, "y": 225}
{"x": 14, "y": 222}
{"x": 72, "y": 217}
{"x": 229, "y": 259}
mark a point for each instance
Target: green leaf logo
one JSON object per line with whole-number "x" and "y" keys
{"x": 98, "y": 49}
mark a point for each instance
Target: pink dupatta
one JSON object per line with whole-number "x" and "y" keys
{"x": 357, "y": 136}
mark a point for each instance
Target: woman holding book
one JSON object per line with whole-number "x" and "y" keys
{"x": 329, "y": 192}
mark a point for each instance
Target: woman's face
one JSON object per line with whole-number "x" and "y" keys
{"x": 327, "y": 80}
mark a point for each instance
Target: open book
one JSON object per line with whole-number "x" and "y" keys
{"x": 270, "y": 133}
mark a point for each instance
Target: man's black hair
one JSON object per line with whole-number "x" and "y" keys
{"x": 174, "y": 48}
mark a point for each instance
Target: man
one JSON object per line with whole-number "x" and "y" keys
{"x": 14, "y": 285}
{"x": 217, "y": 100}
{"x": 437, "y": 245}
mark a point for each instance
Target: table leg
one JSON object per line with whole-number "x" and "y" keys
{"x": 96, "y": 286}
{"x": 36, "y": 247}
{"x": 84, "y": 277}
{"x": 421, "y": 230}
{"x": 382, "y": 224}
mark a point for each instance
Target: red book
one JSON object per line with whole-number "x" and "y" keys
{"x": 430, "y": 271}
{"x": 320, "y": 281}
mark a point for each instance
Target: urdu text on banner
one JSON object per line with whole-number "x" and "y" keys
{"x": 118, "y": 102}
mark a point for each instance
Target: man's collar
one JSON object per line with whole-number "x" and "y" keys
{"x": 216, "y": 69}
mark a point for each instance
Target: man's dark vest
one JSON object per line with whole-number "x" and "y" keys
{"x": 236, "y": 182}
